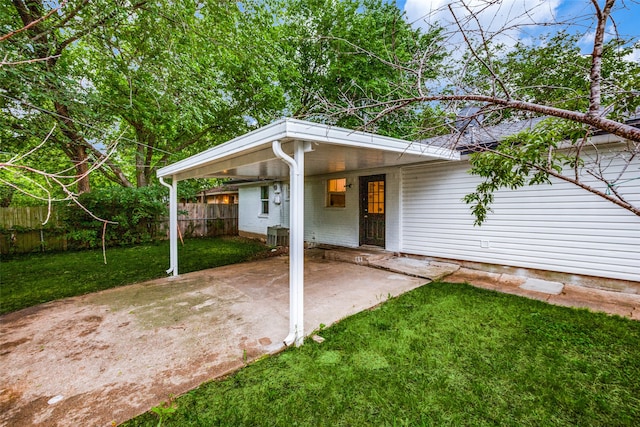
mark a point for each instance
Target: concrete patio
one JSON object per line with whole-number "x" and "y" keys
{"x": 106, "y": 357}
{"x": 103, "y": 358}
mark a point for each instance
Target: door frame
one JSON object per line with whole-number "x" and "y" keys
{"x": 363, "y": 208}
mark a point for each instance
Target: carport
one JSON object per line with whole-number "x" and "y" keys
{"x": 294, "y": 149}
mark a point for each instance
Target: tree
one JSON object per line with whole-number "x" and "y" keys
{"x": 182, "y": 76}
{"x": 351, "y": 53}
{"x": 506, "y": 81}
{"x": 165, "y": 78}
{"x": 40, "y": 80}
{"x": 562, "y": 149}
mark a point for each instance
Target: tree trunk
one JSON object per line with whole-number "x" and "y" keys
{"x": 595, "y": 78}
{"x": 141, "y": 176}
{"x": 75, "y": 149}
{"x": 82, "y": 170}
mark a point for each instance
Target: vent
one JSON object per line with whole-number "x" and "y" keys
{"x": 468, "y": 118}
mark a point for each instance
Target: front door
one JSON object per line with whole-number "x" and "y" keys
{"x": 372, "y": 224}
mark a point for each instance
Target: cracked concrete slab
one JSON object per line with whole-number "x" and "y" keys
{"x": 109, "y": 356}
{"x": 544, "y": 286}
{"x": 426, "y": 269}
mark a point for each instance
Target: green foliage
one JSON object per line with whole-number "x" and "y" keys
{"x": 553, "y": 70}
{"x": 164, "y": 79}
{"x": 188, "y": 189}
{"x": 32, "y": 279}
{"x": 182, "y": 77}
{"x": 164, "y": 411}
{"x": 341, "y": 57}
{"x": 136, "y": 211}
{"x": 442, "y": 354}
{"x": 527, "y": 158}
{"x": 45, "y": 84}
{"x": 6, "y": 195}
{"x": 169, "y": 79}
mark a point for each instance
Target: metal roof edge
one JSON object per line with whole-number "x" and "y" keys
{"x": 329, "y": 134}
{"x": 275, "y": 130}
{"x": 290, "y": 129}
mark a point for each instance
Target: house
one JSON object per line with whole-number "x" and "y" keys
{"x": 222, "y": 195}
{"x": 335, "y": 186}
{"x": 417, "y": 209}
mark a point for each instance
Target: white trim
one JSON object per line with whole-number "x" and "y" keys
{"x": 173, "y": 225}
{"x": 286, "y": 130}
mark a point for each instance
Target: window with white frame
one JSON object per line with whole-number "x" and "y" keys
{"x": 264, "y": 200}
{"x": 336, "y": 192}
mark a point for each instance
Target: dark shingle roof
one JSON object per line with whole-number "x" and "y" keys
{"x": 474, "y": 135}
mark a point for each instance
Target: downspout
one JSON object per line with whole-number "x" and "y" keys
{"x": 173, "y": 224}
{"x": 296, "y": 240}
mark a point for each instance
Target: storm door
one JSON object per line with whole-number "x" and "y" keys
{"x": 372, "y": 223}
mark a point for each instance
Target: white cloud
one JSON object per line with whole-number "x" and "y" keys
{"x": 588, "y": 37}
{"x": 634, "y": 56}
{"x": 505, "y": 21}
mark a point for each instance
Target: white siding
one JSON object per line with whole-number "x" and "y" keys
{"x": 335, "y": 226}
{"x": 250, "y": 219}
{"x": 555, "y": 227}
{"x": 340, "y": 226}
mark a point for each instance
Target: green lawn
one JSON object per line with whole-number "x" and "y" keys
{"x": 36, "y": 278}
{"x": 443, "y": 354}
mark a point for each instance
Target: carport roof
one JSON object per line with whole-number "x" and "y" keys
{"x": 334, "y": 150}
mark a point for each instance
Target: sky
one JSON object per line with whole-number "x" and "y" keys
{"x": 626, "y": 17}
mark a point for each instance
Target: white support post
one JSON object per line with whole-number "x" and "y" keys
{"x": 296, "y": 241}
{"x": 173, "y": 225}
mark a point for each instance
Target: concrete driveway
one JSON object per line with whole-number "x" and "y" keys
{"x": 103, "y": 358}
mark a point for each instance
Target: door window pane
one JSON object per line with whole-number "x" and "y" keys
{"x": 375, "y": 197}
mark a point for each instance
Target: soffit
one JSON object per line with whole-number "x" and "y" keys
{"x": 333, "y": 150}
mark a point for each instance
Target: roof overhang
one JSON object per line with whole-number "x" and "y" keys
{"x": 333, "y": 150}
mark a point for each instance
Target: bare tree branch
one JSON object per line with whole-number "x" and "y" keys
{"x": 28, "y": 61}
{"x": 54, "y": 180}
{"x": 614, "y": 127}
{"x": 34, "y": 22}
{"x": 477, "y": 56}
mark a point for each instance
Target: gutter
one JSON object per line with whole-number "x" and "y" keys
{"x": 296, "y": 240}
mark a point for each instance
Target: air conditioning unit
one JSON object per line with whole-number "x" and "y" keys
{"x": 277, "y": 236}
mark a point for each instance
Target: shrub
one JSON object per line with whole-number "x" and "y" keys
{"x": 136, "y": 211}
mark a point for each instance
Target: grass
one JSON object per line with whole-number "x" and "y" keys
{"x": 441, "y": 355}
{"x": 32, "y": 279}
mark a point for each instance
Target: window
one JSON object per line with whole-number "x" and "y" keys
{"x": 336, "y": 192}
{"x": 375, "y": 197}
{"x": 264, "y": 199}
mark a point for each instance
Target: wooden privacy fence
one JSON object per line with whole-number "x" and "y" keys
{"x": 206, "y": 220}
{"x": 22, "y": 231}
